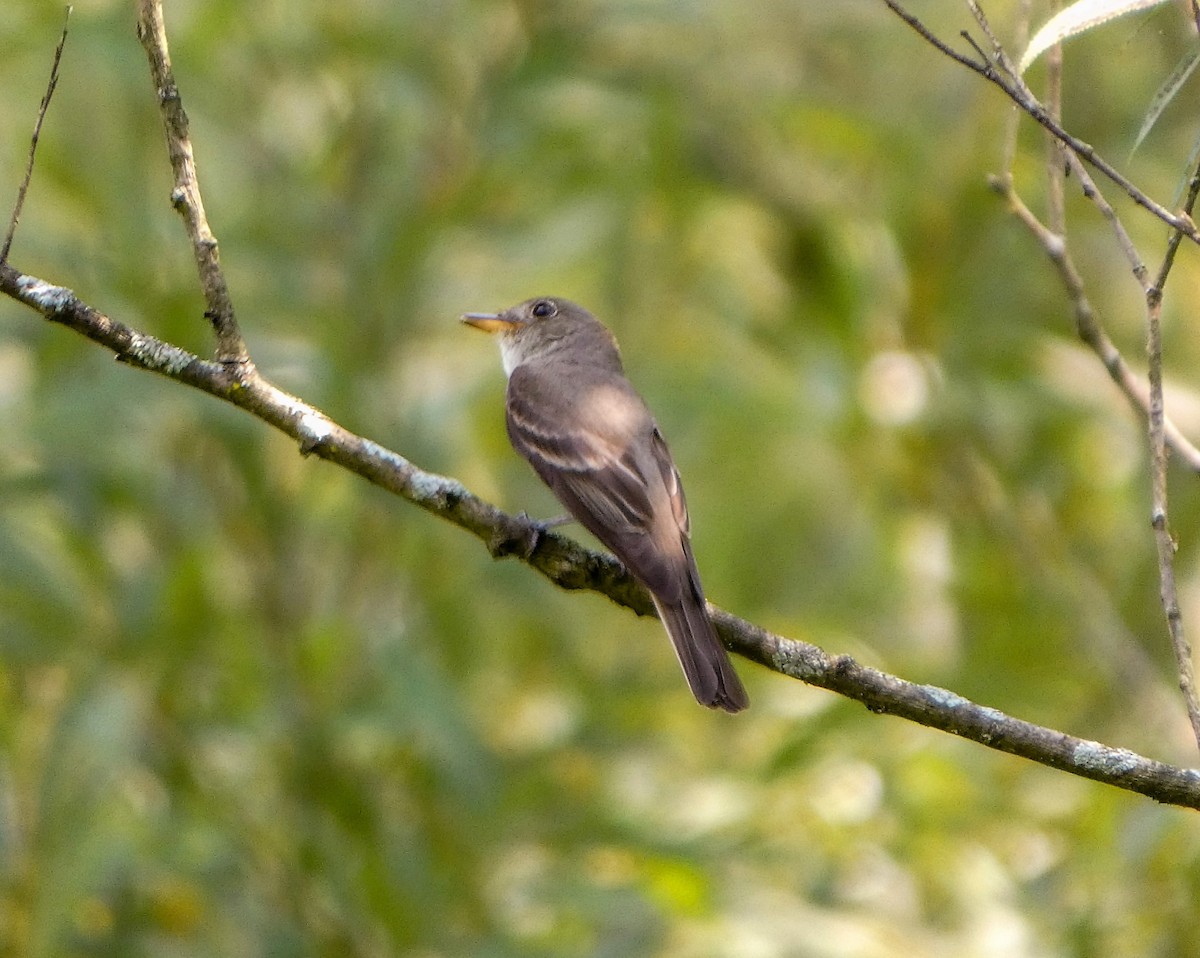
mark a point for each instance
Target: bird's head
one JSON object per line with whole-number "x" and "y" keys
{"x": 546, "y": 327}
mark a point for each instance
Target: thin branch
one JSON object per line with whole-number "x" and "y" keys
{"x": 932, "y": 38}
{"x": 1163, "y": 433}
{"x": 1088, "y": 326}
{"x": 1012, "y": 123}
{"x": 571, "y": 566}
{"x": 1056, "y": 201}
{"x": 1164, "y": 271}
{"x": 1053, "y": 242}
{"x": 33, "y": 145}
{"x": 997, "y": 47}
{"x": 1092, "y": 192}
{"x": 1164, "y": 541}
{"x": 1015, "y": 88}
{"x": 185, "y": 197}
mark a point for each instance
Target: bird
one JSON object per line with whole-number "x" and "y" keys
{"x": 572, "y": 413}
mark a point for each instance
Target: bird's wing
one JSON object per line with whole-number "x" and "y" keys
{"x": 609, "y": 484}
{"x": 670, "y": 478}
{"x": 604, "y": 458}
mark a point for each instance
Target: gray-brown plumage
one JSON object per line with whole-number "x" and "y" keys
{"x": 572, "y": 413}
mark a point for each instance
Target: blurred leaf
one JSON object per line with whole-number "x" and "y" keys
{"x": 1075, "y": 19}
{"x": 1167, "y": 93}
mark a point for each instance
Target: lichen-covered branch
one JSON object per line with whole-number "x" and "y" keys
{"x": 185, "y": 197}
{"x": 571, "y": 566}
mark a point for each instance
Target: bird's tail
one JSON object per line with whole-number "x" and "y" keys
{"x": 705, "y": 662}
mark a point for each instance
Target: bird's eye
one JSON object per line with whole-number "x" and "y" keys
{"x": 543, "y": 308}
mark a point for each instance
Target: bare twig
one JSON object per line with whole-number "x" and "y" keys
{"x": 1056, "y": 205}
{"x": 571, "y": 566}
{"x": 1156, "y": 416}
{"x": 1052, "y": 237}
{"x": 33, "y": 145}
{"x": 1012, "y": 124}
{"x": 185, "y": 197}
{"x": 1015, "y": 88}
{"x": 997, "y": 47}
{"x": 1163, "y": 434}
{"x": 1092, "y": 192}
{"x": 1164, "y": 271}
{"x": 1088, "y": 326}
{"x": 1164, "y": 541}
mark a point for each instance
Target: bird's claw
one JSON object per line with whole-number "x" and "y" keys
{"x": 545, "y": 525}
{"x": 523, "y": 536}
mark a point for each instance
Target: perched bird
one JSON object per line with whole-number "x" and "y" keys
{"x": 572, "y": 413}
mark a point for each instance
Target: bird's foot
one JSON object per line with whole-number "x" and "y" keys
{"x": 545, "y": 525}
{"x": 523, "y": 535}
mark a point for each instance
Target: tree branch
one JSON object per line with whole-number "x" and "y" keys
{"x": 1163, "y": 539}
{"x": 1009, "y": 81}
{"x": 6, "y": 248}
{"x": 1163, "y": 434}
{"x": 185, "y": 197}
{"x": 234, "y": 379}
{"x": 1052, "y": 238}
{"x": 1087, "y": 324}
{"x": 571, "y": 566}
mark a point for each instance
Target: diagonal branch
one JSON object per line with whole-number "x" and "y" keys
{"x": 1163, "y": 434}
{"x": 185, "y": 197}
{"x": 51, "y": 85}
{"x": 571, "y": 566}
{"x": 1008, "y": 80}
{"x": 234, "y": 379}
{"x": 1088, "y": 326}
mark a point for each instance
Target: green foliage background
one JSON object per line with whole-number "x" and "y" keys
{"x": 251, "y": 706}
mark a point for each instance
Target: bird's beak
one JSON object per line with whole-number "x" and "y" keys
{"x": 489, "y": 322}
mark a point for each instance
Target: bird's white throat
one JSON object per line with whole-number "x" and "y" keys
{"x": 511, "y": 354}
